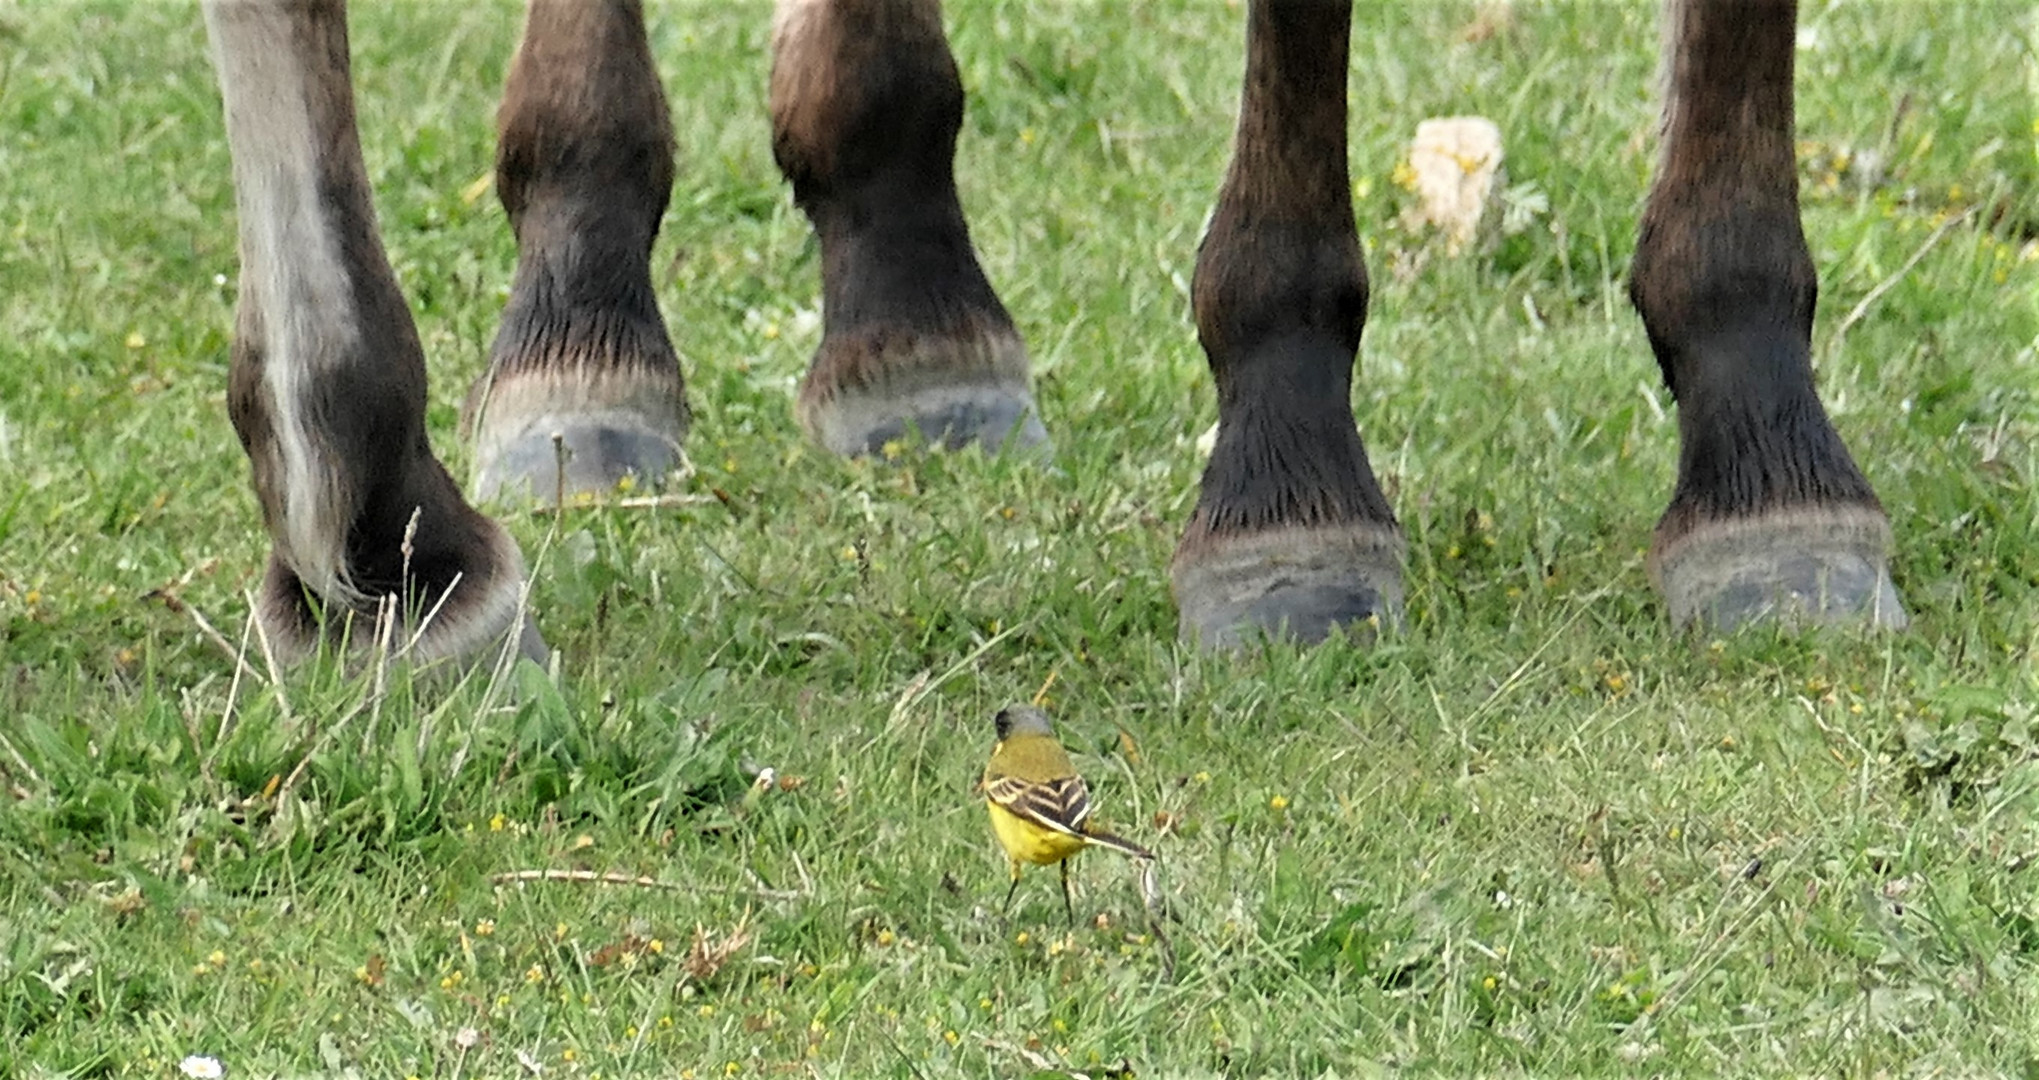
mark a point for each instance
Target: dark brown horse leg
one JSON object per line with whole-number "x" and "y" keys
{"x": 327, "y": 389}
{"x": 1771, "y": 518}
{"x": 1291, "y": 535}
{"x": 865, "y": 106}
{"x": 584, "y": 165}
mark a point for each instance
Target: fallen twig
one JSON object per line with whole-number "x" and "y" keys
{"x": 1861, "y": 309}
{"x": 1711, "y": 953}
{"x": 922, "y": 686}
{"x": 590, "y": 877}
{"x": 1033, "y": 1060}
{"x": 33, "y": 776}
{"x": 1041, "y": 695}
{"x": 178, "y": 606}
{"x": 1156, "y": 906}
{"x": 634, "y": 502}
{"x": 269, "y": 661}
{"x": 613, "y": 877}
{"x": 226, "y": 713}
{"x": 324, "y": 738}
{"x": 1041, "y": 1063}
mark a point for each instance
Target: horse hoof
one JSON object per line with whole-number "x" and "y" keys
{"x": 1823, "y": 567}
{"x": 998, "y": 416}
{"x": 551, "y": 456}
{"x": 1291, "y": 584}
{"x": 457, "y": 624}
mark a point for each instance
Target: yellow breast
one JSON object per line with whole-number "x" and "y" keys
{"x": 1026, "y": 841}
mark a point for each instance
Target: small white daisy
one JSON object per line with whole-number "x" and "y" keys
{"x": 202, "y": 1067}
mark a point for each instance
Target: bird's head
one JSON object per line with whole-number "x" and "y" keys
{"x": 1021, "y": 720}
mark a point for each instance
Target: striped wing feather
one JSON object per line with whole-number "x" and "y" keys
{"x": 1115, "y": 842}
{"x": 1061, "y": 805}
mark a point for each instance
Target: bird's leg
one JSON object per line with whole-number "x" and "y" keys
{"x": 1068, "y": 905}
{"x": 1007, "y": 910}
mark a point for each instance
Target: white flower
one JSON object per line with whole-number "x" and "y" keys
{"x": 202, "y": 1067}
{"x": 1453, "y": 164}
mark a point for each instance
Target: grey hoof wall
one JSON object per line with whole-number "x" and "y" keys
{"x": 999, "y": 417}
{"x": 1297, "y": 585}
{"x": 1824, "y": 567}
{"x": 592, "y": 455}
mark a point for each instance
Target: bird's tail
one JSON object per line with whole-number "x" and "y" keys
{"x": 1120, "y": 844}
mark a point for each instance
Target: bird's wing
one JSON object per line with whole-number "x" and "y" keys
{"x": 1061, "y": 804}
{"x": 1115, "y": 842}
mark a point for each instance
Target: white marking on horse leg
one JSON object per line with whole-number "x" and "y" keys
{"x": 292, "y": 275}
{"x": 791, "y": 17}
{"x": 1670, "y": 31}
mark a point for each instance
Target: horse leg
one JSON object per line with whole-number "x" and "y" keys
{"x": 327, "y": 385}
{"x": 584, "y": 166}
{"x": 865, "y": 105}
{"x": 1291, "y": 535}
{"x": 1770, "y": 517}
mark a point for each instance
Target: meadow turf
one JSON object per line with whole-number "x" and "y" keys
{"x": 1535, "y": 832}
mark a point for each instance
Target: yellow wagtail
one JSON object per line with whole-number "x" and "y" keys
{"x": 1040, "y": 807}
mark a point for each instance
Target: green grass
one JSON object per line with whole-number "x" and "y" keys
{"x": 1538, "y": 832}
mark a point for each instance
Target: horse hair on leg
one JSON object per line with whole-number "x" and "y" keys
{"x": 327, "y": 381}
{"x": 1770, "y": 518}
{"x": 584, "y": 168}
{"x": 865, "y": 104}
{"x": 1291, "y": 536}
